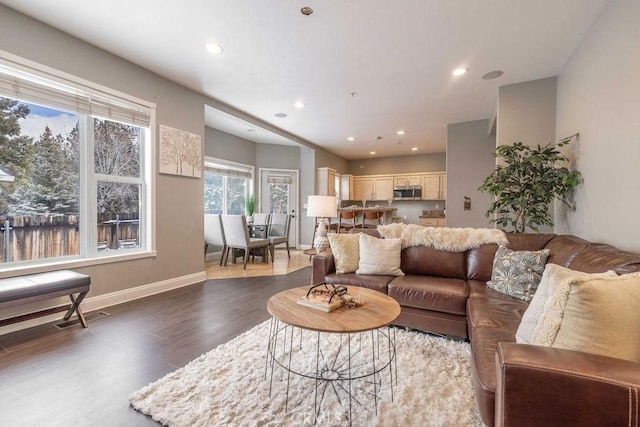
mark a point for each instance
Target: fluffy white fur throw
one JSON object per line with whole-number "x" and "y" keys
{"x": 443, "y": 238}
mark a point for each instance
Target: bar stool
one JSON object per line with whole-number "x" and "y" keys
{"x": 372, "y": 216}
{"x": 348, "y": 215}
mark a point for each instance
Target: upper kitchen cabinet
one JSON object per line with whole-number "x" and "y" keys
{"x": 363, "y": 188}
{"x": 326, "y": 182}
{"x": 347, "y": 187}
{"x": 434, "y": 186}
{"x": 374, "y": 187}
{"x": 407, "y": 181}
{"x": 383, "y": 188}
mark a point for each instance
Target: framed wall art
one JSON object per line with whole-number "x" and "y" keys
{"x": 180, "y": 152}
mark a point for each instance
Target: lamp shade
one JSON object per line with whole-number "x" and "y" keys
{"x": 322, "y": 206}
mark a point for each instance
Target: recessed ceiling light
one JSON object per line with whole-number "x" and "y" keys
{"x": 214, "y": 48}
{"x": 299, "y": 104}
{"x": 281, "y": 115}
{"x": 492, "y": 75}
{"x": 351, "y": 138}
{"x": 414, "y": 148}
{"x": 372, "y": 152}
{"x": 459, "y": 71}
{"x": 400, "y": 132}
{"x": 306, "y": 11}
{"x": 251, "y": 130}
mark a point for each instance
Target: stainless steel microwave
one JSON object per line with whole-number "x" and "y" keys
{"x": 410, "y": 192}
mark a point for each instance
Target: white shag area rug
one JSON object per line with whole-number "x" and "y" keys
{"x": 443, "y": 238}
{"x": 230, "y": 386}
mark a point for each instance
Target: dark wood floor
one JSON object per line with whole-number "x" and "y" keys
{"x": 83, "y": 377}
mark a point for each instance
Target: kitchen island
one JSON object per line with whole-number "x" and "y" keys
{"x": 389, "y": 212}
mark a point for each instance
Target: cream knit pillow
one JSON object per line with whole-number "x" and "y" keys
{"x": 346, "y": 252}
{"x": 552, "y": 277}
{"x": 379, "y": 256}
{"x": 595, "y": 315}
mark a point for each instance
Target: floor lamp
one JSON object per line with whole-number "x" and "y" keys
{"x": 321, "y": 207}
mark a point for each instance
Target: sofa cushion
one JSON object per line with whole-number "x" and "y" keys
{"x": 494, "y": 309}
{"x": 346, "y": 252}
{"x": 480, "y": 262}
{"x": 552, "y": 277}
{"x": 595, "y": 315}
{"x": 484, "y": 341}
{"x": 421, "y": 260}
{"x": 376, "y": 282}
{"x": 379, "y": 256}
{"x": 563, "y": 249}
{"x": 430, "y": 293}
{"x": 598, "y": 258}
{"x": 528, "y": 241}
{"x": 517, "y": 273}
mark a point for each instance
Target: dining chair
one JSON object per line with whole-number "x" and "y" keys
{"x": 372, "y": 216}
{"x": 260, "y": 225}
{"x": 279, "y": 232}
{"x": 237, "y": 236}
{"x": 214, "y": 234}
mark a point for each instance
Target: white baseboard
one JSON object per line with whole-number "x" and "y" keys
{"x": 113, "y": 298}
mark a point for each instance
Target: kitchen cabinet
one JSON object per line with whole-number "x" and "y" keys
{"x": 434, "y": 186}
{"x": 347, "y": 187}
{"x": 363, "y": 188}
{"x": 326, "y": 182}
{"x": 374, "y": 188}
{"x": 407, "y": 180}
{"x": 383, "y": 188}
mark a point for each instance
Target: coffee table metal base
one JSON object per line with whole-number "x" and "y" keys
{"x": 353, "y": 366}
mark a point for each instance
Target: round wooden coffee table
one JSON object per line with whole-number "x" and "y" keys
{"x": 359, "y": 345}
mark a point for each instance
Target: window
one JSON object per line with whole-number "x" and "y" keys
{"x": 226, "y": 186}
{"x": 75, "y": 172}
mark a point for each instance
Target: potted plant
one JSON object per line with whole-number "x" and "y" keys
{"x": 526, "y": 182}
{"x": 250, "y": 205}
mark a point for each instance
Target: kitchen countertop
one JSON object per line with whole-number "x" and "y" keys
{"x": 368, "y": 208}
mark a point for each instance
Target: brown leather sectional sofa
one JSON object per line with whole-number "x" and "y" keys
{"x": 515, "y": 384}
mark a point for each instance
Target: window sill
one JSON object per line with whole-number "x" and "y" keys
{"x": 59, "y": 264}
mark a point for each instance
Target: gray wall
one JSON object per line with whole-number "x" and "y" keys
{"x": 277, "y": 156}
{"x": 599, "y": 96}
{"x": 327, "y": 159}
{"x": 307, "y": 187}
{"x": 469, "y": 161}
{"x": 229, "y": 147}
{"x": 399, "y": 164}
{"x": 527, "y": 112}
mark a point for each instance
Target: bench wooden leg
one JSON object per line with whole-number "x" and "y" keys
{"x": 75, "y": 306}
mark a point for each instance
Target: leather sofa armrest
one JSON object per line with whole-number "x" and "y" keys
{"x": 553, "y": 387}
{"x": 323, "y": 264}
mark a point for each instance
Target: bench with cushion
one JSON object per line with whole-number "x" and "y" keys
{"x": 20, "y": 290}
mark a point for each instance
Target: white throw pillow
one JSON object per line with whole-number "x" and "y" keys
{"x": 552, "y": 277}
{"x": 346, "y": 251}
{"x": 379, "y": 256}
{"x": 595, "y": 315}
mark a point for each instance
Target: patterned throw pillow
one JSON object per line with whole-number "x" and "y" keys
{"x": 346, "y": 251}
{"x": 517, "y": 273}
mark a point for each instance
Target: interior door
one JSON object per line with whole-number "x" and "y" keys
{"x": 279, "y": 194}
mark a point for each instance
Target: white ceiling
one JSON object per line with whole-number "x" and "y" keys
{"x": 397, "y": 56}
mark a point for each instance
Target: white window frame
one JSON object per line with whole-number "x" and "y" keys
{"x": 89, "y": 254}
